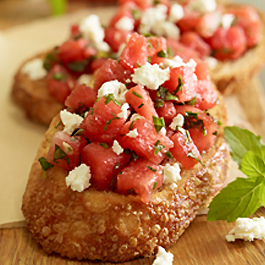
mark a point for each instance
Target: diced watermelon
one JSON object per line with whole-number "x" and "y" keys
{"x": 60, "y": 83}
{"x": 201, "y": 69}
{"x": 143, "y": 4}
{"x": 206, "y": 95}
{"x": 82, "y": 97}
{"x": 185, "y": 92}
{"x": 110, "y": 70}
{"x": 135, "y": 53}
{"x": 102, "y": 124}
{"x": 141, "y": 102}
{"x": 104, "y": 164}
{"x": 167, "y": 111}
{"x": 184, "y": 150}
{"x": 195, "y": 42}
{"x": 142, "y": 177}
{"x": 157, "y": 47}
{"x": 65, "y": 150}
{"x": 97, "y": 63}
{"x": 148, "y": 142}
{"x": 200, "y": 125}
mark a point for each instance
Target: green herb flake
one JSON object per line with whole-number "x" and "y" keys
{"x": 159, "y": 103}
{"x": 78, "y": 132}
{"x": 105, "y": 145}
{"x": 136, "y": 14}
{"x": 179, "y": 86}
{"x": 59, "y": 154}
{"x": 192, "y": 155}
{"x": 158, "y": 147}
{"x": 154, "y": 187}
{"x": 110, "y": 97}
{"x": 170, "y": 51}
{"x": 109, "y": 121}
{"x": 117, "y": 165}
{"x": 78, "y": 66}
{"x": 159, "y": 123}
{"x": 152, "y": 169}
{"x": 45, "y": 165}
{"x": 168, "y": 154}
{"x": 137, "y": 95}
{"x": 59, "y": 76}
{"x": 141, "y": 105}
{"x": 162, "y": 54}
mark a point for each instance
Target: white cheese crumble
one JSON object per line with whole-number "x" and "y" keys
{"x": 84, "y": 79}
{"x": 211, "y": 62}
{"x": 227, "y": 20}
{"x": 247, "y": 229}
{"x": 70, "y": 121}
{"x": 151, "y": 76}
{"x": 136, "y": 116}
{"x": 116, "y": 148}
{"x": 133, "y": 133}
{"x": 166, "y": 29}
{"x": 34, "y": 69}
{"x": 204, "y": 6}
{"x": 114, "y": 87}
{"x": 163, "y": 131}
{"x": 177, "y": 121}
{"x": 79, "y": 178}
{"x": 176, "y": 13}
{"x": 178, "y": 62}
{"x": 172, "y": 173}
{"x": 124, "y": 108}
{"x": 92, "y": 30}
{"x": 151, "y": 16}
{"x": 163, "y": 257}
{"x": 125, "y": 23}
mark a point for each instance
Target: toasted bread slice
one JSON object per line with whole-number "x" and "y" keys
{"x": 112, "y": 227}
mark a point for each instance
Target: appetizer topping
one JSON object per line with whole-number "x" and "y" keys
{"x": 114, "y": 87}
{"x": 34, "y": 69}
{"x": 227, "y": 20}
{"x": 71, "y": 121}
{"x": 133, "y": 133}
{"x": 124, "y": 111}
{"x": 178, "y": 121}
{"x": 79, "y": 178}
{"x": 203, "y": 6}
{"x": 247, "y": 229}
{"x": 125, "y": 23}
{"x": 176, "y": 13}
{"x": 163, "y": 257}
{"x": 171, "y": 173}
{"x": 117, "y": 149}
{"x": 84, "y": 79}
{"x": 135, "y": 117}
{"x": 151, "y": 76}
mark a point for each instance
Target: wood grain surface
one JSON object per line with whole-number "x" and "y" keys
{"x": 202, "y": 243}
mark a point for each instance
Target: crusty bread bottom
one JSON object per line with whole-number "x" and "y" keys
{"x": 113, "y": 227}
{"x": 34, "y": 97}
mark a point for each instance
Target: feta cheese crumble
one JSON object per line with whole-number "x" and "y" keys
{"x": 176, "y": 13}
{"x": 114, "y": 87}
{"x": 211, "y": 62}
{"x": 163, "y": 257}
{"x": 79, "y": 178}
{"x": 92, "y": 30}
{"x": 227, "y": 20}
{"x": 84, "y": 79}
{"x": 177, "y": 121}
{"x": 247, "y": 229}
{"x": 124, "y": 111}
{"x": 172, "y": 173}
{"x": 125, "y": 23}
{"x": 136, "y": 116}
{"x": 117, "y": 149}
{"x": 204, "y": 6}
{"x": 70, "y": 121}
{"x": 34, "y": 69}
{"x": 178, "y": 62}
{"x": 166, "y": 29}
{"x": 133, "y": 133}
{"x": 151, "y": 76}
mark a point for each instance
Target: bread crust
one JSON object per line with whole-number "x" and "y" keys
{"x": 228, "y": 75}
{"x": 114, "y": 227}
{"x": 34, "y": 97}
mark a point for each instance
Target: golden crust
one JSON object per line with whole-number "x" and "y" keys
{"x": 114, "y": 227}
{"x": 229, "y": 74}
{"x": 33, "y": 96}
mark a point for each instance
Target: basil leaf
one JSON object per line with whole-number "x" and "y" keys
{"x": 159, "y": 123}
{"x": 252, "y": 165}
{"x": 240, "y": 141}
{"x": 44, "y": 163}
{"x": 240, "y": 198}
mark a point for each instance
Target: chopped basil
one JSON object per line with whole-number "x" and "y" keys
{"x": 58, "y": 76}
{"x": 131, "y": 126}
{"x": 117, "y": 165}
{"x": 59, "y": 123}
{"x": 138, "y": 64}
{"x": 165, "y": 94}
{"x": 155, "y": 184}
{"x": 141, "y": 105}
{"x": 78, "y": 132}
{"x": 168, "y": 154}
{"x": 179, "y": 87}
{"x": 110, "y": 97}
{"x": 170, "y": 51}
{"x": 152, "y": 169}
{"x": 192, "y": 102}
{"x": 192, "y": 120}
{"x": 45, "y": 165}
{"x": 49, "y": 61}
{"x": 192, "y": 155}
{"x": 105, "y": 145}
{"x": 78, "y": 66}
{"x": 162, "y": 54}
{"x": 59, "y": 154}
{"x": 159, "y": 123}
{"x": 109, "y": 121}
{"x": 158, "y": 147}
{"x": 150, "y": 44}
{"x": 130, "y": 190}
{"x": 137, "y": 95}
{"x": 136, "y": 14}
{"x": 133, "y": 155}
{"x": 159, "y": 103}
